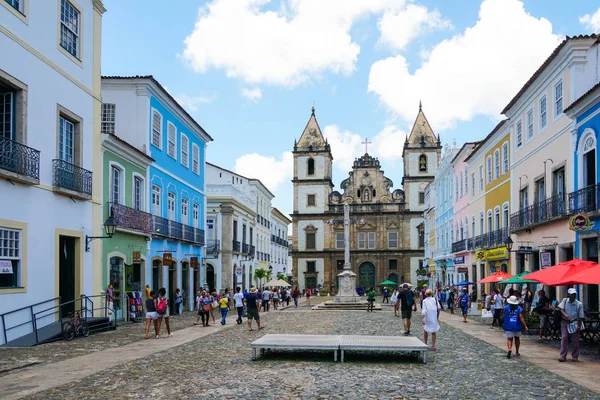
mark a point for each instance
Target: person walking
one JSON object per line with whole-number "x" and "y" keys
{"x": 395, "y": 303}
{"x": 514, "y": 323}
{"x": 296, "y": 296}
{"x": 386, "y": 293}
{"x": 148, "y": 292}
{"x": 570, "y": 325}
{"x": 288, "y": 294}
{"x": 497, "y": 306}
{"x": 200, "y": 308}
{"x": 422, "y": 295}
{"x": 371, "y": 299}
{"x": 407, "y": 306}
{"x": 431, "y": 313}
{"x": 308, "y": 293}
{"x": 463, "y": 300}
{"x": 238, "y": 299}
{"x": 178, "y": 301}
{"x": 252, "y": 309}
{"x": 266, "y": 298}
{"x": 451, "y": 298}
{"x": 151, "y": 314}
{"x": 162, "y": 309}
{"x": 543, "y": 311}
{"x": 275, "y": 297}
{"x": 224, "y": 306}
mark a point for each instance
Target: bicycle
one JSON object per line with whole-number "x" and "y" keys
{"x": 75, "y": 326}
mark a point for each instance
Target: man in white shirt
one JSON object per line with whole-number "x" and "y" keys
{"x": 266, "y": 297}
{"x": 238, "y": 297}
{"x": 572, "y": 313}
{"x": 497, "y": 306}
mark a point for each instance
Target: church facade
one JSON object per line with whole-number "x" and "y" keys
{"x": 387, "y": 233}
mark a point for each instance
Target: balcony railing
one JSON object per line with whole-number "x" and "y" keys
{"x": 176, "y": 230}
{"x": 71, "y": 177}
{"x": 584, "y": 200}
{"x": 236, "y": 246}
{"x": 252, "y": 250}
{"x": 245, "y": 248}
{"x": 213, "y": 245}
{"x": 188, "y": 233}
{"x": 199, "y": 236}
{"x": 367, "y": 208}
{"x": 491, "y": 239}
{"x": 130, "y": 218}
{"x": 19, "y": 159}
{"x": 273, "y": 238}
{"x": 544, "y": 211}
{"x": 461, "y": 245}
{"x": 160, "y": 226}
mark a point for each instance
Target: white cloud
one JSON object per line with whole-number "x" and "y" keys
{"x": 270, "y": 171}
{"x": 192, "y": 102}
{"x": 475, "y": 72}
{"x": 252, "y": 94}
{"x": 300, "y": 40}
{"x": 400, "y": 27}
{"x": 388, "y": 144}
{"x": 591, "y": 21}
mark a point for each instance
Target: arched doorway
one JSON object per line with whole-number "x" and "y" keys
{"x": 185, "y": 283}
{"x": 366, "y": 275}
{"x": 156, "y": 275}
{"x": 210, "y": 277}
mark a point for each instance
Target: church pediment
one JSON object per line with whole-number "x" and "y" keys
{"x": 312, "y": 135}
{"x": 421, "y": 133}
{"x": 366, "y": 183}
{"x": 392, "y": 226}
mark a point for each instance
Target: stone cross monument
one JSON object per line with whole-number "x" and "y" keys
{"x": 347, "y": 278}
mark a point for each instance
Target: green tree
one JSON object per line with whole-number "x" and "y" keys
{"x": 261, "y": 274}
{"x": 281, "y": 276}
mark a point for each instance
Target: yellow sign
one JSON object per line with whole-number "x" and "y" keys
{"x": 136, "y": 257}
{"x": 480, "y": 255}
{"x": 499, "y": 253}
{"x": 580, "y": 223}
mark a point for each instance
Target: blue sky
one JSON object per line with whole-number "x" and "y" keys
{"x": 249, "y": 70}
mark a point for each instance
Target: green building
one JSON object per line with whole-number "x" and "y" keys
{"x": 125, "y": 192}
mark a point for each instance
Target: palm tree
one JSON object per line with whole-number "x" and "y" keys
{"x": 281, "y": 276}
{"x": 261, "y": 274}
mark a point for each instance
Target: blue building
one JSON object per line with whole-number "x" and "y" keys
{"x": 174, "y": 183}
{"x": 584, "y": 201}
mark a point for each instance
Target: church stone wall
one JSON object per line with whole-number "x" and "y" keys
{"x": 319, "y": 268}
{"x": 302, "y": 168}
{"x": 321, "y": 198}
{"x": 319, "y": 237}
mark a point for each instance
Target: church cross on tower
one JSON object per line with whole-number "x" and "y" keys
{"x": 366, "y": 143}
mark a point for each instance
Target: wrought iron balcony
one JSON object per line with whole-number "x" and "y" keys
{"x": 160, "y": 226}
{"x": 213, "y": 245}
{"x": 461, "y": 245}
{"x": 130, "y": 218}
{"x": 72, "y": 180}
{"x": 252, "y": 250}
{"x": 236, "y": 246}
{"x": 491, "y": 239}
{"x": 188, "y": 233}
{"x": 539, "y": 213}
{"x": 175, "y": 229}
{"x": 19, "y": 162}
{"x": 368, "y": 208}
{"x": 199, "y": 235}
{"x": 245, "y": 248}
{"x": 273, "y": 238}
{"x": 585, "y": 200}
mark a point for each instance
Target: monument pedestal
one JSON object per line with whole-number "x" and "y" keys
{"x": 347, "y": 298}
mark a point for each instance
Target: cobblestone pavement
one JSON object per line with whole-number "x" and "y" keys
{"x": 220, "y": 366}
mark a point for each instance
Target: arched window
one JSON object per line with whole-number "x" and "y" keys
{"x": 423, "y": 163}
{"x": 156, "y": 200}
{"x": 310, "y": 166}
{"x": 587, "y": 158}
{"x": 374, "y": 192}
{"x": 496, "y": 164}
{"x": 505, "y": 158}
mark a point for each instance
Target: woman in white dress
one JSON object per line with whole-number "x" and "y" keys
{"x": 431, "y": 313}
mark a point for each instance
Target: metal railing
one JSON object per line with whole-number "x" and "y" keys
{"x": 213, "y": 245}
{"x": 584, "y": 200}
{"x": 366, "y": 208}
{"x": 245, "y": 248}
{"x": 71, "y": 177}
{"x": 461, "y": 245}
{"x": 20, "y": 159}
{"x": 176, "y": 229}
{"x": 188, "y": 233}
{"x": 130, "y": 218}
{"x": 544, "y": 211}
{"x": 160, "y": 226}
{"x": 199, "y": 236}
{"x": 236, "y": 245}
{"x": 491, "y": 239}
{"x": 252, "y": 250}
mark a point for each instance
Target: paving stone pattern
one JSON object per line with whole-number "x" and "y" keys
{"x": 220, "y": 366}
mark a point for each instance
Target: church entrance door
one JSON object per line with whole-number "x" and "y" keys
{"x": 366, "y": 275}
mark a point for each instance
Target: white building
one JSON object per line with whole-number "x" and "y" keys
{"x": 50, "y": 161}
{"x": 279, "y": 243}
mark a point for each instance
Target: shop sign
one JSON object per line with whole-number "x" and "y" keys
{"x": 239, "y": 271}
{"x": 499, "y": 253}
{"x": 167, "y": 258}
{"x": 136, "y": 257}
{"x": 480, "y": 255}
{"x": 545, "y": 259}
{"x": 6, "y": 267}
{"x": 194, "y": 262}
{"x": 462, "y": 270}
{"x": 580, "y": 223}
{"x": 459, "y": 260}
{"x": 421, "y": 278}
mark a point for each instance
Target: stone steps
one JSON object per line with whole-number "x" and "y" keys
{"x": 345, "y": 306}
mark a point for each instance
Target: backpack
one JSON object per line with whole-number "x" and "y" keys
{"x": 162, "y": 306}
{"x": 464, "y": 300}
{"x": 410, "y": 299}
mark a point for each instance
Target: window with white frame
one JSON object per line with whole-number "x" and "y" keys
{"x": 195, "y": 213}
{"x": 339, "y": 240}
{"x": 472, "y": 183}
{"x": 171, "y": 206}
{"x": 138, "y": 193}
{"x": 185, "y": 159}
{"x": 156, "y": 129}
{"x": 392, "y": 240}
{"x": 18, "y": 5}
{"x": 70, "y": 24}
{"x": 543, "y": 112}
{"x": 108, "y": 119}
{"x": 505, "y": 217}
{"x": 473, "y": 226}
{"x": 195, "y": 159}
{"x": 172, "y": 140}
{"x": 456, "y": 187}
{"x": 519, "y": 133}
{"x": 530, "y": 124}
{"x": 489, "y": 221}
{"x": 504, "y": 158}
{"x": 558, "y": 99}
{"x": 496, "y": 164}
{"x": 66, "y": 140}
{"x": 466, "y": 183}
{"x": 10, "y": 257}
{"x": 497, "y": 218}
{"x": 156, "y": 193}
{"x": 184, "y": 211}
{"x": 489, "y": 169}
{"x": 362, "y": 240}
{"x": 461, "y": 186}
{"x": 371, "y": 240}
{"x": 481, "y": 230}
{"x": 116, "y": 182}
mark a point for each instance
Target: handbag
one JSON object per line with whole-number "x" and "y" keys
{"x": 206, "y": 307}
{"x": 215, "y": 304}
{"x": 245, "y": 314}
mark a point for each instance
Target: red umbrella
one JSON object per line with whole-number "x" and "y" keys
{"x": 588, "y": 276}
{"x": 561, "y": 274}
{"x": 496, "y": 277}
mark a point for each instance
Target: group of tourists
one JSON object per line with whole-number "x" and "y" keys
{"x": 157, "y": 309}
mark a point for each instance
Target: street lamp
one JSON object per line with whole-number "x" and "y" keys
{"x": 110, "y": 226}
{"x": 508, "y": 243}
